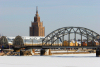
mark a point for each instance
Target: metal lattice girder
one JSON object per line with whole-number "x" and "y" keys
{"x": 53, "y": 36}
{"x": 18, "y": 41}
{"x": 3, "y": 41}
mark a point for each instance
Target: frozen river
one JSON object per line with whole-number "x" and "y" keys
{"x": 67, "y": 60}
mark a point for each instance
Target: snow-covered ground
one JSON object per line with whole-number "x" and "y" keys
{"x": 65, "y": 60}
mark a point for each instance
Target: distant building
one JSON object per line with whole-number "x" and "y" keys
{"x": 37, "y": 28}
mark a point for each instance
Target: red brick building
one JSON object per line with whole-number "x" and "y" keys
{"x": 37, "y": 28}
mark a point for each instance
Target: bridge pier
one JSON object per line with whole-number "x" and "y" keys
{"x": 98, "y": 52}
{"x": 45, "y": 51}
{"x": 17, "y": 49}
{"x": 27, "y": 52}
{"x": 33, "y": 51}
{"x": 23, "y": 51}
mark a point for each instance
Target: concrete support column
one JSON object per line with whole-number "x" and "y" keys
{"x": 99, "y": 42}
{"x": 1, "y": 49}
{"x": 98, "y": 52}
{"x": 45, "y": 52}
{"x": 25, "y": 52}
{"x": 33, "y": 51}
{"x": 17, "y": 49}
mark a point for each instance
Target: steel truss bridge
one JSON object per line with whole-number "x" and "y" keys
{"x": 59, "y": 35}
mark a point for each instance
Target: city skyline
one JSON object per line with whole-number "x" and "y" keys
{"x": 16, "y": 16}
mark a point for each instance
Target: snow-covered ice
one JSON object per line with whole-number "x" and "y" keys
{"x": 66, "y": 60}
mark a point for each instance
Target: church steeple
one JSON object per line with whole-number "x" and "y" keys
{"x": 36, "y": 18}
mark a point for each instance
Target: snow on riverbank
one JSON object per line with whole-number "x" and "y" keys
{"x": 77, "y": 55}
{"x": 65, "y": 60}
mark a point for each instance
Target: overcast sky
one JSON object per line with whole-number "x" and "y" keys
{"x": 16, "y": 15}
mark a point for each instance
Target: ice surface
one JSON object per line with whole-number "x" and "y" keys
{"x": 66, "y": 60}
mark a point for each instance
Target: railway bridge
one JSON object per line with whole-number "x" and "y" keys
{"x": 60, "y": 38}
{"x": 57, "y": 38}
{"x": 60, "y": 35}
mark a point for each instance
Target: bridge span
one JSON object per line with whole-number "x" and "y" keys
{"x": 59, "y": 37}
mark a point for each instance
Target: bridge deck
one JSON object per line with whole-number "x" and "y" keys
{"x": 52, "y": 47}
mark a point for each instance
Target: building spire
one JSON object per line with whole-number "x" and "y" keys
{"x": 36, "y": 9}
{"x": 36, "y": 18}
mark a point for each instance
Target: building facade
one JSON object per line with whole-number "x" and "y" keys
{"x": 37, "y": 28}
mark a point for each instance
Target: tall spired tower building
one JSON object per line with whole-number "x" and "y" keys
{"x": 37, "y": 28}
